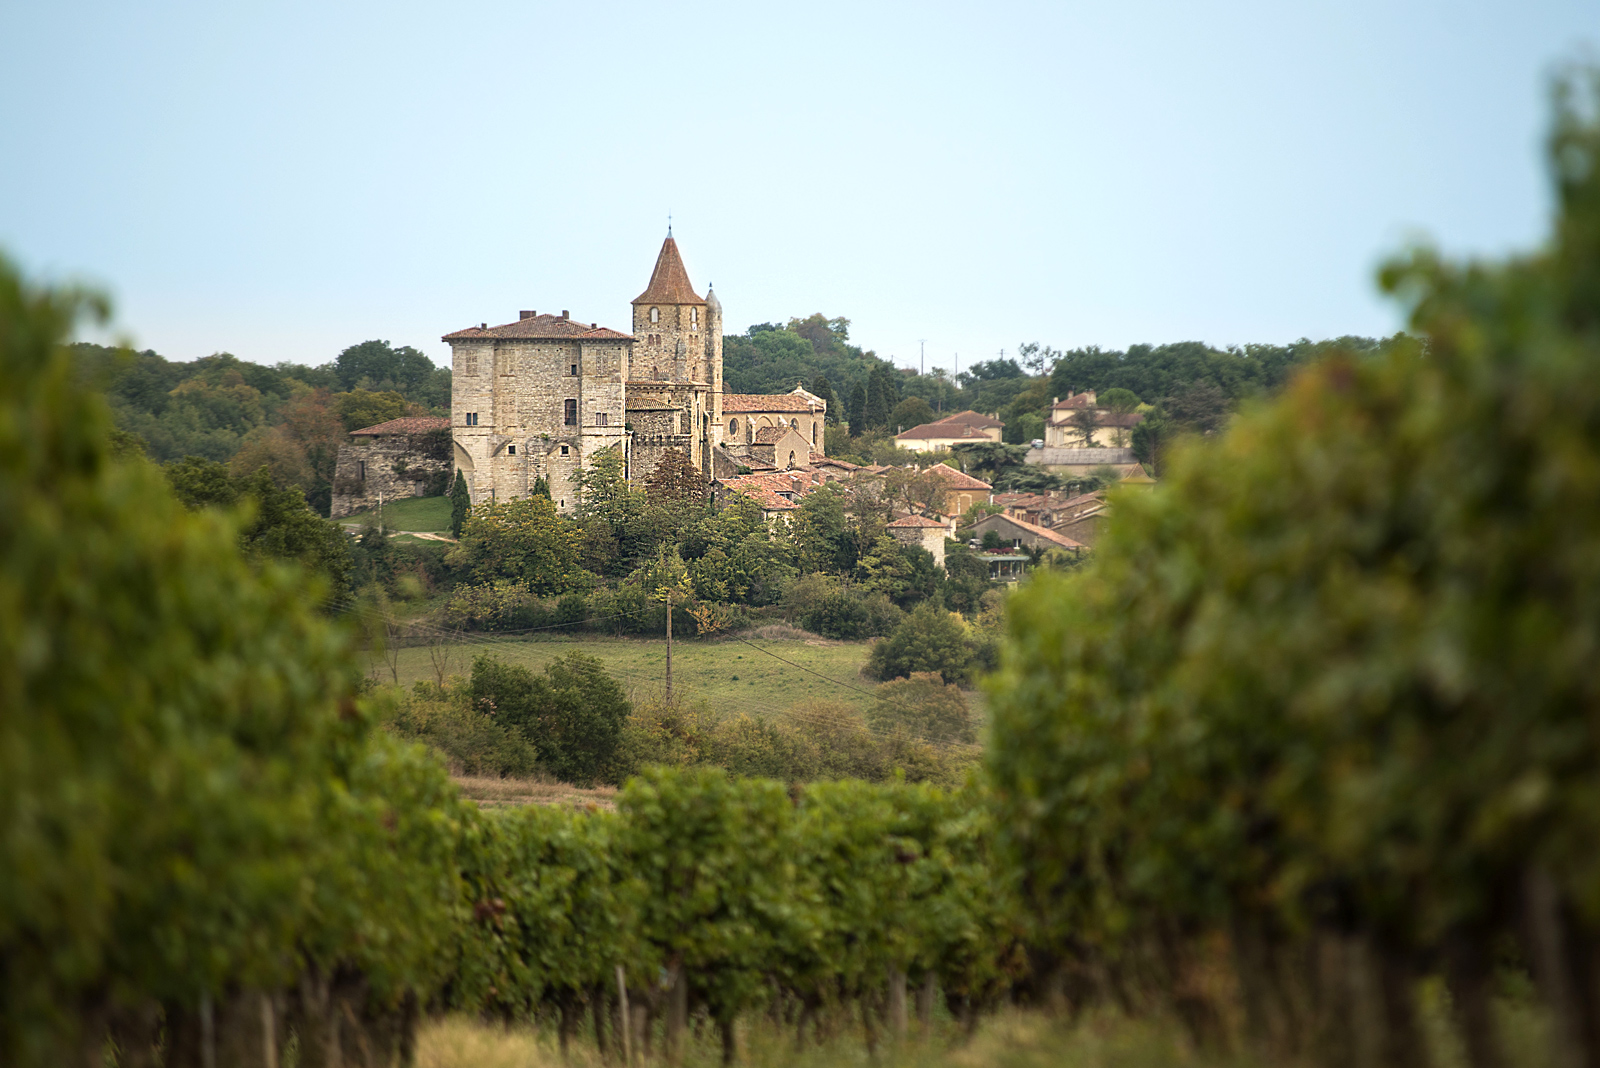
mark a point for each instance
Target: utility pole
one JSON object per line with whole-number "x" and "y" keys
{"x": 380, "y": 511}
{"x": 922, "y": 356}
{"x": 669, "y": 646}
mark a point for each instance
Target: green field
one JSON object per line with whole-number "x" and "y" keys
{"x": 429, "y": 514}
{"x": 729, "y": 675}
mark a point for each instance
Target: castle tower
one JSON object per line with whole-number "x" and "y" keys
{"x": 675, "y": 384}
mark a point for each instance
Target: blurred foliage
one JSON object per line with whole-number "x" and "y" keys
{"x": 1327, "y": 696}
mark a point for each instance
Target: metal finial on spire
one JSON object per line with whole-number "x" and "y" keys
{"x": 669, "y": 224}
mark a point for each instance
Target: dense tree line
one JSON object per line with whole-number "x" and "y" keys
{"x": 290, "y": 418}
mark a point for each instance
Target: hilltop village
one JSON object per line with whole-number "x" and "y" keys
{"x": 535, "y": 400}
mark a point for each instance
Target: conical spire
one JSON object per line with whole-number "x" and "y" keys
{"x": 669, "y": 282}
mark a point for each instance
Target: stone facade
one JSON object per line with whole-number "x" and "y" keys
{"x": 542, "y": 395}
{"x": 745, "y": 415}
{"x": 921, "y": 532}
{"x": 408, "y": 457}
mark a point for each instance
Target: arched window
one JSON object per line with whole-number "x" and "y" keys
{"x": 694, "y": 318}
{"x": 733, "y": 426}
{"x": 791, "y": 458}
{"x": 655, "y": 315}
{"x": 794, "y": 424}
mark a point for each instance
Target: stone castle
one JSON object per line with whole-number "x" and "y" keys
{"x": 539, "y": 397}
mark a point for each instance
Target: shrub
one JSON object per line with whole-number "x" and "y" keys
{"x": 495, "y": 606}
{"x": 923, "y": 706}
{"x": 470, "y": 742}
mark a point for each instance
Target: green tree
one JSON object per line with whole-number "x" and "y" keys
{"x": 377, "y": 365}
{"x": 523, "y": 540}
{"x": 821, "y": 387}
{"x": 930, "y": 639}
{"x": 882, "y": 396}
{"x": 461, "y": 503}
{"x": 913, "y": 411}
{"x": 573, "y": 715}
{"x": 1118, "y": 400}
{"x": 274, "y": 521}
{"x": 363, "y": 408}
{"x": 858, "y": 410}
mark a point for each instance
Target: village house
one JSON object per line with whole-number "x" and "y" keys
{"x": 1078, "y": 422}
{"x": 962, "y": 428}
{"x": 1019, "y": 533}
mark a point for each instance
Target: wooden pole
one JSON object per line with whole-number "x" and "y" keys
{"x": 669, "y": 646}
{"x": 627, "y": 1018}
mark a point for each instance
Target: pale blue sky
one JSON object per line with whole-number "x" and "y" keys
{"x": 280, "y": 180}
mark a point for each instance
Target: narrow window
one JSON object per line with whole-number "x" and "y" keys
{"x": 733, "y": 426}
{"x": 361, "y": 470}
{"x": 563, "y": 452}
{"x": 655, "y": 315}
{"x": 571, "y": 413}
{"x": 574, "y": 370}
{"x": 795, "y": 423}
{"x": 694, "y": 319}
{"x": 602, "y": 419}
{"x": 813, "y": 433}
{"x": 472, "y": 418}
{"x": 511, "y": 450}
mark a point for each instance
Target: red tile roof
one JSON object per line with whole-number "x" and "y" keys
{"x": 669, "y": 282}
{"x": 956, "y": 479}
{"x": 913, "y": 521}
{"x": 541, "y": 326}
{"x": 756, "y": 402}
{"x": 968, "y": 424}
{"x": 407, "y": 424}
{"x": 771, "y": 435}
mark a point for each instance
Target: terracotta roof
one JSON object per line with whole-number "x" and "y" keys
{"x": 956, "y": 479}
{"x": 1032, "y": 528}
{"x": 968, "y": 424}
{"x": 408, "y": 424}
{"x": 542, "y": 326}
{"x": 819, "y": 460}
{"x": 913, "y": 521}
{"x": 769, "y": 435}
{"x": 765, "y": 489}
{"x": 757, "y": 402}
{"x": 669, "y": 282}
{"x": 755, "y": 463}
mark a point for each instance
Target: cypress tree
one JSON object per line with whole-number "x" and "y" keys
{"x": 460, "y": 504}
{"x": 858, "y": 410}
{"x": 821, "y": 387}
{"x": 878, "y": 404}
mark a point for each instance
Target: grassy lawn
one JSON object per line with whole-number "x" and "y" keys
{"x": 728, "y": 675}
{"x": 430, "y": 514}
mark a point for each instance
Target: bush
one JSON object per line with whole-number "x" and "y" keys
{"x": 573, "y": 716}
{"x": 930, "y": 639}
{"x": 495, "y": 606}
{"x": 925, "y": 707}
{"x": 470, "y": 742}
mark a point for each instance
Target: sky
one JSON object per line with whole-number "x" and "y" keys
{"x": 281, "y": 180}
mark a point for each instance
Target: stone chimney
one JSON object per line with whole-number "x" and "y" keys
{"x": 526, "y": 315}
{"x": 564, "y": 314}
